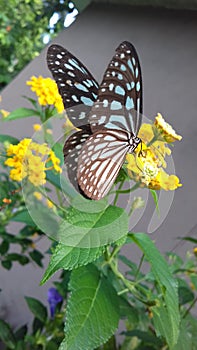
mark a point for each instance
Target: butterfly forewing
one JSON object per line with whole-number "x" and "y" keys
{"x": 76, "y": 84}
{"x": 115, "y": 119}
{"x": 119, "y": 102}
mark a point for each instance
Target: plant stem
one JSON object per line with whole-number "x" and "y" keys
{"x": 139, "y": 266}
{"x": 190, "y": 307}
{"x": 152, "y": 141}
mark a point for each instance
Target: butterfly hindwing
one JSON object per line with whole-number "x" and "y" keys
{"x": 71, "y": 150}
{"x": 100, "y": 160}
{"x": 76, "y": 84}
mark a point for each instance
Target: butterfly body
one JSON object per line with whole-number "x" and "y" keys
{"x": 108, "y": 115}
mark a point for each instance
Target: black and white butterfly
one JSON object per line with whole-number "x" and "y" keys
{"x": 108, "y": 115}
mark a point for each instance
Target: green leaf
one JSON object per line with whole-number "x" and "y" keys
{"x": 185, "y": 295}
{"x": 8, "y": 138}
{"x": 21, "y": 332}
{"x": 37, "y": 308}
{"x": 166, "y": 311}
{"x": 94, "y": 226}
{"x": 23, "y": 216}
{"x": 128, "y": 311}
{"x": 185, "y": 339}
{"x": 37, "y": 257}
{"x": 4, "y": 247}
{"x": 21, "y": 113}
{"x": 6, "y": 335}
{"x": 155, "y": 198}
{"x": 57, "y": 148}
{"x": 146, "y": 337}
{"x": 6, "y": 264}
{"x": 92, "y": 310}
{"x": 69, "y": 258}
{"x": 23, "y": 260}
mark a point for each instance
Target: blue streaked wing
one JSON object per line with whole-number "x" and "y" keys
{"x": 120, "y": 93}
{"x": 71, "y": 150}
{"x": 76, "y": 84}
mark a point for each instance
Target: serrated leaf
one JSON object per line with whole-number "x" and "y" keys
{"x": 92, "y": 310}
{"x": 166, "y": 314}
{"x": 69, "y": 258}
{"x": 37, "y": 308}
{"x": 6, "y": 335}
{"x": 185, "y": 339}
{"x": 20, "y": 113}
{"x": 99, "y": 227}
{"x": 8, "y": 138}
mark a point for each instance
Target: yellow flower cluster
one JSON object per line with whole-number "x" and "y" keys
{"x": 30, "y": 159}
{"x": 146, "y": 167}
{"x": 47, "y": 92}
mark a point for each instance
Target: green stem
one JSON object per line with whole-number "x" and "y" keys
{"x": 130, "y": 286}
{"x": 190, "y": 307}
{"x": 128, "y": 190}
{"x": 117, "y": 193}
{"x": 139, "y": 267}
{"x": 152, "y": 141}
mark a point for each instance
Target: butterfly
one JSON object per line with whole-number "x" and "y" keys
{"x": 108, "y": 115}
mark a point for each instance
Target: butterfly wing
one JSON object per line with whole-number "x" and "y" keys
{"x": 78, "y": 90}
{"x": 76, "y": 84}
{"x": 115, "y": 119}
{"x": 100, "y": 160}
{"x": 71, "y": 150}
{"x": 119, "y": 102}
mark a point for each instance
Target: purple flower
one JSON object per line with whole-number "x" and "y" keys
{"x": 53, "y": 298}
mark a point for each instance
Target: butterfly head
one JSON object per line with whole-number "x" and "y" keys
{"x": 134, "y": 142}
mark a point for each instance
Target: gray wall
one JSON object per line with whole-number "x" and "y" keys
{"x": 166, "y": 43}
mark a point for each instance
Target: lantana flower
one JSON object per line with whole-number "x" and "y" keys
{"x": 32, "y": 160}
{"x": 146, "y": 166}
{"x": 47, "y": 92}
{"x": 167, "y": 133}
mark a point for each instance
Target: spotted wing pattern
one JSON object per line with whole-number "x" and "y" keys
{"x": 71, "y": 150}
{"x": 78, "y": 90}
{"x": 119, "y": 102}
{"x": 115, "y": 120}
{"x": 95, "y": 154}
{"x": 76, "y": 84}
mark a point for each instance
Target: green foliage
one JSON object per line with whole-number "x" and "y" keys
{"x": 97, "y": 313}
{"x": 155, "y": 306}
{"x": 23, "y": 25}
